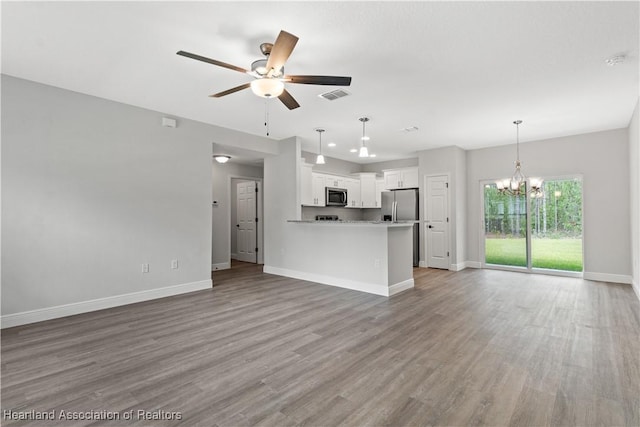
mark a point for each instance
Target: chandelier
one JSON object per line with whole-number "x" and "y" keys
{"x": 514, "y": 186}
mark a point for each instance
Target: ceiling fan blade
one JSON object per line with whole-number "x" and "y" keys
{"x": 280, "y": 51}
{"x": 230, "y": 91}
{"x": 320, "y": 80}
{"x": 288, "y": 100}
{"x": 211, "y": 61}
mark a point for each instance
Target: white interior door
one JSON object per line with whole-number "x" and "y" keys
{"x": 437, "y": 222}
{"x": 246, "y": 221}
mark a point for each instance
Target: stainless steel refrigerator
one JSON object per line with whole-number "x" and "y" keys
{"x": 402, "y": 205}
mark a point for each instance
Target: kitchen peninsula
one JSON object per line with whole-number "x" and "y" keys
{"x": 368, "y": 256}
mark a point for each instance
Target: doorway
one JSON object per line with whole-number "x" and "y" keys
{"x": 540, "y": 233}
{"x": 437, "y": 221}
{"x": 245, "y": 227}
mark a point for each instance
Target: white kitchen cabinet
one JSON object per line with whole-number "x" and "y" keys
{"x": 379, "y": 190}
{"x": 368, "y": 190}
{"x": 311, "y": 186}
{"x": 353, "y": 192}
{"x": 317, "y": 186}
{"x": 401, "y": 178}
{"x": 334, "y": 181}
{"x": 306, "y": 185}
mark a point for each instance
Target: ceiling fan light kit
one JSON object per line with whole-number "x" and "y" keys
{"x": 269, "y": 72}
{"x": 267, "y": 88}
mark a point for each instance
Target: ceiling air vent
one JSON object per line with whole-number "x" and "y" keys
{"x": 334, "y": 94}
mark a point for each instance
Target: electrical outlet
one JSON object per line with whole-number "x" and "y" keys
{"x": 145, "y": 268}
{"x": 174, "y": 264}
{"x": 376, "y": 263}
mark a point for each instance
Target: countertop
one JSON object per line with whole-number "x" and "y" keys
{"x": 355, "y": 222}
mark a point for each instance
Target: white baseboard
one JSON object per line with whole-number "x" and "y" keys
{"x": 220, "y": 266}
{"x": 636, "y": 288}
{"x": 422, "y": 264}
{"x": 606, "y": 277}
{"x": 355, "y": 285}
{"x": 401, "y": 286}
{"x": 458, "y": 267}
{"x": 472, "y": 264}
{"x": 39, "y": 315}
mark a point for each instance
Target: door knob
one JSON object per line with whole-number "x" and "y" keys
{"x": 430, "y": 226}
{"x": 238, "y": 225}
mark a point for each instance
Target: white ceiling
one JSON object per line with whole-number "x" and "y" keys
{"x": 459, "y": 71}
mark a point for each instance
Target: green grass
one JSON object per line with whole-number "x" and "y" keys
{"x": 556, "y": 254}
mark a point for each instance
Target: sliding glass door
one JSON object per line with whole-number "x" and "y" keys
{"x": 556, "y": 226}
{"x": 505, "y": 228}
{"x": 541, "y": 231}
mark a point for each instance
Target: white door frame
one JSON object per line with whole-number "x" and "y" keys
{"x": 424, "y": 217}
{"x": 260, "y": 224}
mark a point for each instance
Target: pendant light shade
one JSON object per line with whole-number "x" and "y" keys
{"x": 320, "y": 158}
{"x": 364, "y": 152}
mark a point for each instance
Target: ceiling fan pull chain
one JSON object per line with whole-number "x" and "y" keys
{"x": 266, "y": 114}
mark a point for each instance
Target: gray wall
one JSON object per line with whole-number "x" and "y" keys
{"x": 281, "y": 178}
{"x": 343, "y": 167}
{"x": 451, "y": 161}
{"x": 337, "y": 166}
{"x": 391, "y": 164}
{"x": 223, "y": 213}
{"x": 602, "y": 160}
{"x": 91, "y": 190}
{"x": 634, "y": 167}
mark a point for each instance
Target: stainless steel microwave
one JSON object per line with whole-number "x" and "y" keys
{"x": 335, "y": 196}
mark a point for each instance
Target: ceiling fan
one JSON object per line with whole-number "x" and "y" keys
{"x": 269, "y": 72}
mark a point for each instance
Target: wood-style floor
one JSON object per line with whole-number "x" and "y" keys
{"x": 477, "y": 347}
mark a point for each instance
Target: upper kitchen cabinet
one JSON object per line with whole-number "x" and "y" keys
{"x": 353, "y": 192}
{"x": 379, "y": 190}
{"x": 311, "y": 186}
{"x": 401, "y": 178}
{"x": 368, "y": 190}
{"x": 334, "y": 181}
{"x": 317, "y": 187}
{"x": 306, "y": 185}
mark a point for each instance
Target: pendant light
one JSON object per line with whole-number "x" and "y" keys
{"x": 513, "y": 185}
{"x": 364, "y": 152}
{"x": 320, "y": 158}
